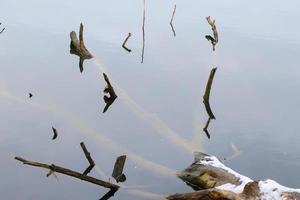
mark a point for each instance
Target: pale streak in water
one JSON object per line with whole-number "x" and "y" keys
{"x": 100, "y": 139}
{"x": 152, "y": 119}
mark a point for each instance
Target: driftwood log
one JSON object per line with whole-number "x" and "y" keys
{"x": 78, "y": 48}
{"x": 215, "y": 181}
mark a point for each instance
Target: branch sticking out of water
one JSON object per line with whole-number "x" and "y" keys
{"x": 214, "y": 40}
{"x": 2, "y": 29}
{"x": 143, "y": 29}
{"x": 118, "y": 169}
{"x": 125, "y": 41}
{"x": 206, "y": 127}
{"x": 89, "y": 158}
{"x": 171, "y": 21}
{"x": 69, "y": 172}
{"x": 110, "y": 90}
{"x": 78, "y": 48}
{"x": 207, "y": 94}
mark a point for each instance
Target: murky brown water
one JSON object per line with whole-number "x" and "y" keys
{"x": 158, "y": 117}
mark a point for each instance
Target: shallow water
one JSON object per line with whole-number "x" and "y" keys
{"x": 158, "y": 117}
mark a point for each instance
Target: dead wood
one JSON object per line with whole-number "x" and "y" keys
{"x": 117, "y": 173}
{"x": 207, "y": 93}
{"x": 55, "y": 133}
{"x": 206, "y": 127}
{"x": 214, "y": 40}
{"x": 89, "y": 158}
{"x": 78, "y": 48}
{"x": 2, "y": 29}
{"x": 69, "y": 172}
{"x": 125, "y": 41}
{"x": 171, "y": 21}
{"x": 143, "y": 30}
{"x": 110, "y": 90}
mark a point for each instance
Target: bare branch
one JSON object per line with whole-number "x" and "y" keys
{"x": 69, "y": 172}
{"x": 125, "y": 41}
{"x": 207, "y": 93}
{"x": 171, "y": 21}
{"x": 89, "y": 158}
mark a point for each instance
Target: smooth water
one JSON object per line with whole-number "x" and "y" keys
{"x": 158, "y": 117}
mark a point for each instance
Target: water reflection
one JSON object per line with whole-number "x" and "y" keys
{"x": 108, "y": 90}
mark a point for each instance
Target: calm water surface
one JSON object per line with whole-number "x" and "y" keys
{"x": 158, "y": 117}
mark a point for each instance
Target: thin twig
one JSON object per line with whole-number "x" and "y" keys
{"x": 69, "y": 172}
{"x": 125, "y": 41}
{"x": 207, "y": 93}
{"x": 143, "y": 29}
{"x": 89, "y": 158}
{"x": 171, "y": 21}
{"x": 2, "y": 29}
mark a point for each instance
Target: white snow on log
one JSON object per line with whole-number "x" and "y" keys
{"x": 269, "y": 189}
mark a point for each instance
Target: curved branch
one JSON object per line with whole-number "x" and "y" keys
{"x": 207, "y": 93}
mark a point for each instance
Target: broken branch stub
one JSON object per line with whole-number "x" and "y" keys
{"x": 69, "y": 172}
{"x": 117, "y": 173}
{"x": 207, "y": 93}
{"x": 78, "y": 48}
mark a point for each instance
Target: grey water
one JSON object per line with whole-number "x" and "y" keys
{"x": 158, "y": 117}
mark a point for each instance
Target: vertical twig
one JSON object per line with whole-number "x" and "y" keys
{"x": 171, "y": 22}
{"x": 143, "y": 29}
{"x": 81, "y": 44}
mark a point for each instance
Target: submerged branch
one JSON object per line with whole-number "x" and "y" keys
{"x": 207, "y": 93}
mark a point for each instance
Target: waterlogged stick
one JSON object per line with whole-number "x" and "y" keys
{"x": 207, "y": 93}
